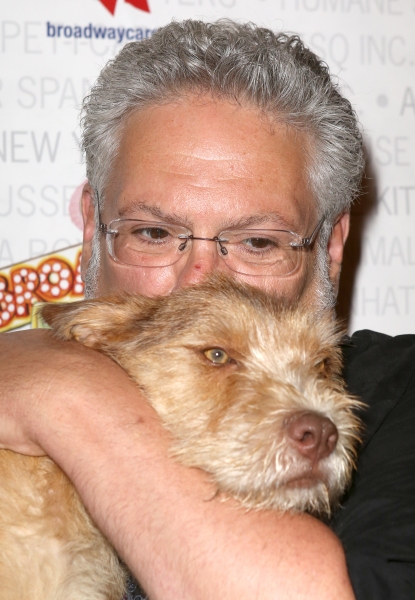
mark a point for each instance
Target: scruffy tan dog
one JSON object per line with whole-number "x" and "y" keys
{"x": 251, "y": 392}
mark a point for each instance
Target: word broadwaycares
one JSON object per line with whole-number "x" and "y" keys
{"x": 50, "y": 278}
{"x": 91, "y": 31}
{"x": 140, "y": 4}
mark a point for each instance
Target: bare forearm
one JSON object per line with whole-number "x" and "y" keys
{"x": 182, "y": 543}
{"x": 161, "y": 517}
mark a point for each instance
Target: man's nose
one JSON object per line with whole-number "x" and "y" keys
{"x": 199, "y": 262}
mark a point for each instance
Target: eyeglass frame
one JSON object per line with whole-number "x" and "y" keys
{"x": 305, "y": 242}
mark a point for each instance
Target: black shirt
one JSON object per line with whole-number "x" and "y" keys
{"x": 376, "y": 522}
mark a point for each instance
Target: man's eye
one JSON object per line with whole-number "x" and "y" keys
{"x": 260, "y": 243}
{"x": 154, "y": 233}
{"x": 217, "y": 356}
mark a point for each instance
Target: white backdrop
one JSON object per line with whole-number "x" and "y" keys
{"x": 51, "y": 52}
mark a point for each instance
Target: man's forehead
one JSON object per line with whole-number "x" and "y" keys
{"x": 193, "y": 162}
{"x": 217, "y": 134}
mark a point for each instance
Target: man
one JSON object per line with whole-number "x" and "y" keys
{"x": 206, "y": 129}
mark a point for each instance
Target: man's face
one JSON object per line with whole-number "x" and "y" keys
{"x": 209, "y": 166}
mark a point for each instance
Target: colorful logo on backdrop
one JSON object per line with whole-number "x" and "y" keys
{"x": 54, "y": 277}
{"x": 140, "y": 4}
{"x": 119, "y": 34}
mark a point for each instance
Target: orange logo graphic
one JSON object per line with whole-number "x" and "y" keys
{"x": 50, "y": 278}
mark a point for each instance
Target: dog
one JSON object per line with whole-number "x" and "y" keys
{"x": 251, "y": 392}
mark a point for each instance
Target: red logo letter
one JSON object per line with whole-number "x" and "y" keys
{"x": 140, "y": 4}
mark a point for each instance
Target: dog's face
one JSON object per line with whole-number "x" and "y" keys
{"x": 250, "y": 390}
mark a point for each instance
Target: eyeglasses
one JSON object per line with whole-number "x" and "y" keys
{"x": 255, "y": 252}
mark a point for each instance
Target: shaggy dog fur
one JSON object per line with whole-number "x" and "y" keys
{"x": 251, "y": 392}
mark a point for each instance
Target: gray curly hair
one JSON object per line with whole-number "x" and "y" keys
{"x": 240, "y": 62}
{"x": 244, "y": 63}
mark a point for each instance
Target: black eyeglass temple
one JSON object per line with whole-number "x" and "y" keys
{"x": 102, "y": 227}
{"x": 309, "y": 240}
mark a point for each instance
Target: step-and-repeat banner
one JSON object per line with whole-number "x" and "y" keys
{"x": 52, "y": 51}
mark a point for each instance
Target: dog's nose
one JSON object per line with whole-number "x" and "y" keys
{"x": 314, "y": 436}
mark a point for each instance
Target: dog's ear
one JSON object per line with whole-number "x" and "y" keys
{"x": 95, "y": 322}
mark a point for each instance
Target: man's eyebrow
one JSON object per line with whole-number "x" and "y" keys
{"x": 275, "y": 219}
{"x": 154, "y": 211}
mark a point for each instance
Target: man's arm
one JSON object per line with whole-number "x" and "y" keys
{"x": 177, "y": 538}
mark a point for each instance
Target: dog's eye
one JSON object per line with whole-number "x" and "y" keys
{"x": 323, "y": 366}
{"x": 217, "y": 356}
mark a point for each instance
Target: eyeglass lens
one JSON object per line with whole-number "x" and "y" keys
{"x": 250, "y": 252}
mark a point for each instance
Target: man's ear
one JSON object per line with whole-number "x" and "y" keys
{"x": 335, "y": 247}
{"x": 88, "y": 216}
